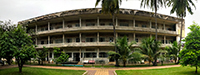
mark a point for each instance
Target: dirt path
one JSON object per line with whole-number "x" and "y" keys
{"x": 94, "y": 71}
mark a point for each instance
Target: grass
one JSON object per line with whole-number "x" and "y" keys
{"x": 167, "y": 71}
{"x": 39, "y": 71}
{"x": 112, "y": 66}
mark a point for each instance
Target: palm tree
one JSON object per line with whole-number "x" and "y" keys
{"x": 154, "y": 5}
{"x": 150, "y": 49}
{"x": 179, "y": 7}
{"x": 173, "y": 50}
{"x": 124, "y": 50}
{"x": 110, "y": 7}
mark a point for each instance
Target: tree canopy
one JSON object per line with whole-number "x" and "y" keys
{"x": 190, "y": 55}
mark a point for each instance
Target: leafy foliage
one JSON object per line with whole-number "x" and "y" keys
{"x": 109, "y": 6}
{"x": 42, "y": 54}
{"x": 191, "y": 53}
{"x": 6, "y": 51}
{"x": 60, "y": 55}
{"x": 173, "y": 50}
{"x": 124, "y": 50}
{"x": 150, "y": 49}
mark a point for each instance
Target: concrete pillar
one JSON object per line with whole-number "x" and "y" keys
{"x": 97, "y": 52}
{"x": 80, "y": 37}
{"x": 164, "y": 39}
{"x": 35, "y": 28}
{"x": 52, "y": 55}
{"x": 164, "y": 26}
{"x": 97, "y": 21}
{"x": 48, "y": 26}
{"x": 134, "y": 36}
{"x": 36, "y": 41}
{"x": 48, "y": 40}
{"x": 150, "y": 24}
{"x": 133, "y": 22}
{"x": 116, "y": 22}
{"x": 80, "y": 21}
{"x": 73, "y": 55}
{"x": 63, "y": 24}
{"x": 80, "y": 53}
{"x": 49, "y": 54}
{"x": 63, "y": 38}
{"x": 97, "y": 37}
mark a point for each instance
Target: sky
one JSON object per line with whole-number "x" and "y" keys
{"x": 18, "y": 10}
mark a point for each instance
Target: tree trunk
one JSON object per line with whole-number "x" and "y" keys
{"x": 175, "y": 61}
{"x": 180, "y": 38}
{"x": 149, "y": 62}
{"x": 114, "y": 39}
{"x": 124, "y": 62}
{"x": 155, "y": 5}
{"x": 196, "y": 69}
{"x": 19, "y": 61}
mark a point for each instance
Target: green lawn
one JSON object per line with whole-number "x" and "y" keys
{"x": 141, "y": 65}
{"x": 167, "y": 71}
{"x": 39, "y": 71}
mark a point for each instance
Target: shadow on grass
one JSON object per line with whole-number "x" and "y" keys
{"x": 189, "y": 73}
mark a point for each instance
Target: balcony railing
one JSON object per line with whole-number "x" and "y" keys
{"x": 121, "y": 28}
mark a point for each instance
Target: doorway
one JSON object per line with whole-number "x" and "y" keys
{"x": 76, "y": 57}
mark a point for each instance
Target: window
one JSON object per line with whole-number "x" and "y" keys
{"x": 136, "y": 39}
{"x": 42, "y": 42}
{"x": 103, "y": 54}
{"x": 59, "y": 27}
{"x": 102, "y": 40}
{"x": 163, "y": 41}
{"x": 124, "y": 24}
{"x": 102, "y": 24}
{"x": 153, "y": 26}
{"x": 90, "y": 40}
{"x": 50, "y": 55}
{"x": 90, "y": 55}
{"x": 90, "y": 24}
{"x": 77, "y": 39}
{"x": 69, "y": 40}
{"x": 144, "y": 26}
{"x": 69, "y": 26}
{"x": 70, "y": 54}
{"x": 58, "y": 40}
{"x": 111, "y": 39}
{"x": 136, "y": 25}
{"x": 110, "y": 24}
{"x": 77, "y": 25}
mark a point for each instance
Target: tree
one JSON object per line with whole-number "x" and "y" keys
{"x": 124, "y": 50}
{"x": 150, "y": 49}
{"x": 179, "y": 7}
{"x": 42, "y": 54}
{"x": 191, "y": 52}
{"x": 154, "y": 5}
{"x": 173, "y": 50}
{"x": 6, "y": 51}
{"x": 111, "y": 7}
{"x": 60, "y": 56}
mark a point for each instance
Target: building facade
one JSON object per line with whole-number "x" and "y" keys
{"x": 87, "y": 34}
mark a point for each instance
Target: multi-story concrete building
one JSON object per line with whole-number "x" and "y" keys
{"x": 87, "y": 34}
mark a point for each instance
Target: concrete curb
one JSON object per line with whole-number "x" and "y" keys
{"x": 115, "y": 73}
{"x": 85, "y": 73}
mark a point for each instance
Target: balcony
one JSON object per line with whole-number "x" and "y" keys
{"x": 87, "y": 44}
{"x": 118, "y": 28}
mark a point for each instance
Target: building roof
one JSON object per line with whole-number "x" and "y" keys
{"x": 95, "y": 11}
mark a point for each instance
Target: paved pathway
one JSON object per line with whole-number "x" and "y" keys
{"x": 94, "y": 71}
